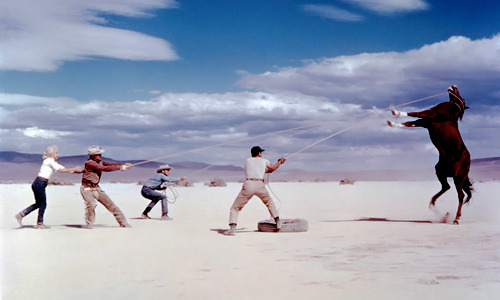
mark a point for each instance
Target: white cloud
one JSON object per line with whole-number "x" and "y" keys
{"x": 380, "y": 78}
{"x": 35, "y": 132}
{"x": 167, "y": 123}
{"x": 42, "y": 35}
{"x": 246, "y": 103}
{"x": 332, "y": 12}
{"x": 187, "y": 109}
{"x": 391, "y": 6}
{"x": 20, "y": 100}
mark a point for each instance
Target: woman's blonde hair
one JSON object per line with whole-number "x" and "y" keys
{"x": 50, "y": 151}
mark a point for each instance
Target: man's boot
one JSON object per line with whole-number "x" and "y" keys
{"x": 232, "y": 229}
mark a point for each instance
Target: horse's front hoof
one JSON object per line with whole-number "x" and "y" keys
{"x": 455, "y": 222}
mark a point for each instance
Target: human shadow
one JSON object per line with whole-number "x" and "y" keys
{"x": 80, "y": 226}
{"x": 25, "y": 226}
{"x": 222, "y": 230}
{"x": 151, "y": 218}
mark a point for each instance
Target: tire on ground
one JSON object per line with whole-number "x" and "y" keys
{"x": 287, "y": 225}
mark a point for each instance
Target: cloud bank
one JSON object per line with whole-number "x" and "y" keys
{"x": 289, "y": 110}
{"x": 380, "y": 78}
{"x": 42, "y": 35}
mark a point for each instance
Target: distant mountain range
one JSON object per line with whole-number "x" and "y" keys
{"x": 489, "y": 160}
{"x": 23, "y": 167}
{"x": 17, "y": 157}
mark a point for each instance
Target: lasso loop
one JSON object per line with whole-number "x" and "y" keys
{"x": 173, "y": 191}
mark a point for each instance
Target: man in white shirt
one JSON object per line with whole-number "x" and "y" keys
{"x": 255, "y": 169}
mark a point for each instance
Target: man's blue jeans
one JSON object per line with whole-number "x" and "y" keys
{"x": 154, "y": 196}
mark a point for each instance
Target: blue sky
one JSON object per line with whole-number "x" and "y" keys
{"x": 153, "y": 78}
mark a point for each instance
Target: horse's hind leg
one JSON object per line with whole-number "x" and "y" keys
{"x": 459, "y": 186}
{"x": 459, "y": 211}
{"x": 444, "y": 185}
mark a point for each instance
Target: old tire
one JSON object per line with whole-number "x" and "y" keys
{"x": 287, "y": 225}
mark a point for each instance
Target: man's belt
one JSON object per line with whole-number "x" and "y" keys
{"x": 255, "y": 179}
{"x": 88, "y": 183}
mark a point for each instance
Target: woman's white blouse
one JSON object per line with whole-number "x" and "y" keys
{"x": 49, "y": 166}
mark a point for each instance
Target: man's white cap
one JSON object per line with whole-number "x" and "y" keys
{"x": 164, "y": 167}
{"x": 93, "y": 150}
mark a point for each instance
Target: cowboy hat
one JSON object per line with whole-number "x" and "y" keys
{"x": 164, "y": 167}
{"x": 94, "y": 150}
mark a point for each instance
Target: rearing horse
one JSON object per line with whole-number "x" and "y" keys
{"x": 454, "y": 159}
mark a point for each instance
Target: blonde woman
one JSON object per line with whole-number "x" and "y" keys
{"x": 49, "y": 166}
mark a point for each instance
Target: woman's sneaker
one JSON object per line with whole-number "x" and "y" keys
{"x": 41, "y": 226}
{"x": 19, "y": 219}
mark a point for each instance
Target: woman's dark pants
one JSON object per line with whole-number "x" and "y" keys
{"x": 38, "y": 188}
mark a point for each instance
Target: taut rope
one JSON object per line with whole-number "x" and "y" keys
{"x": 339, "y": 132}
{"x": 311, "y": 126}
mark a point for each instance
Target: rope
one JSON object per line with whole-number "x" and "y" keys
{"x": 296, "y": 152}
{"x": 421, "y": 99}
{"x": 199, "y": 171}
{"x": 271, "y": 190}
{"x": 337, "y": 133}
{"x": 310, "y": 126}
{"x": 174, "y": 193}
{"x": 322, "y": 140}
{"x": 226, "y": 143}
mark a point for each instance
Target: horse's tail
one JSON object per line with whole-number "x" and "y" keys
{"x": 468, "y": 184}
{"x": 468, "y": 188}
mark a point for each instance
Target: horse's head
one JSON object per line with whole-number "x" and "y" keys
{"x": 457, "y": 100}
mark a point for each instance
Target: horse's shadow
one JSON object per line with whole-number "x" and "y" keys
{"x": 375, "y": 219}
